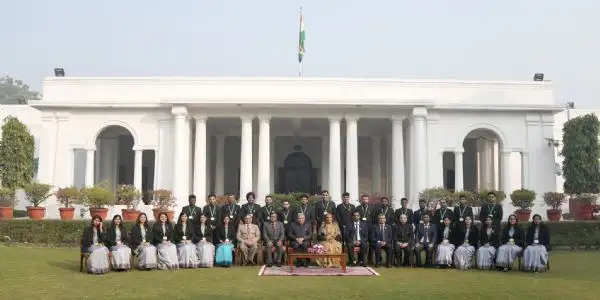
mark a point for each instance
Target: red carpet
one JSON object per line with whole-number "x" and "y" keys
{"x": 316, "y": 271}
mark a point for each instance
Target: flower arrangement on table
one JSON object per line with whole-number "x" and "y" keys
{"x": 317, "y": 249}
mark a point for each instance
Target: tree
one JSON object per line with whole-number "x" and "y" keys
{"x": 16, "y": 154}
{"x": 15, "y": 91}
{"x": 581, "y": 152}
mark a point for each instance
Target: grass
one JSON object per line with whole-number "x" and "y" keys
{"x": 52, "y": 273}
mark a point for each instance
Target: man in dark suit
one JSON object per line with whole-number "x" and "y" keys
{"x": 232, "y": 210}
{"x": 299, "y": 235}
{"x": 418, "y": 214}
{"x": 442, "y": 212}
{"x": 491, "y": 209}
{"x": 304, "y": 208}
{"x": 211, "y": 211}
{"x": 404, "y": 210}
{"x": 386, "y": 210}
{"x": 366, "y": 210}
{"x": 357, "y": 235}
{"x": 251, "y": 208}
{"x": 323, "y": 207}
{"x": 427, "y": 235}
{"x": 265, "y": 211}
{"x": 273, "y": 235}
{"x": 285, "y": 214}
{"x": 462, "y": 210}
{"x": 192, "y": 210}
{"x": 343, "y": 212}
{"x": 381, "y": 239}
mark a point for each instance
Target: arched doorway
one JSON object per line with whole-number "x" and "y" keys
{"x": 297, "y": 174}
{"x": 114, "y": 159}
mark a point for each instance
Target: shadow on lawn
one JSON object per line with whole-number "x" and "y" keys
{"x": 65, "y": 265}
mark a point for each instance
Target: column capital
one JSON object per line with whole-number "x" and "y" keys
{"x": 137, "y": 148}
{"x": 88, "y": 149}
{"x": 397, "y": 118}
{"x": 351, "y": 117}
{"x": 419, "y": 112}
{"x": 247, "y": 118}
{"x": 200, "y": 117}
{"x": 264, "y": 117}
{"x": 334, "y": 118}
{"x": 460, "y": 150}
{"x": 524, "y": 153}
{"x": 179, "y": 111}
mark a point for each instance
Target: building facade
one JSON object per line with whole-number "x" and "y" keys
{"x": 377, "y": 136}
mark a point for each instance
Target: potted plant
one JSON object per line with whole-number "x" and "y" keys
{"x": 128, "y": 195}
{"x": 67, "y": 196}
{"x": 96, "y": 198}
{"x": 7, "y": 202}
{"x": 585, "y": 203}
{"x": 555, "y": 201}
{"x": 523, "y": 200}
{"x": 163, "y": 200}
{"x": 37, "y": 193}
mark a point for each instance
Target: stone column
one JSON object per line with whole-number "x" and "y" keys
{"x": 335, "y": 163}
{"x": 200, "y": 159}
{"x": 376, "y": 165}
{"x": 458, "y": 170}
{"x": 506, "y": 172}
{"x": 89, "y": 167}
{"x": 397, "y": 160}
{"x": 137, "y": 168}
{"x": 220, "y": 166}
{"x": 263, "y": 185}
{"x": 352, "y": 156}
{"x": 421, "y": 152}
{"x": 180, "y": 167}
{"x": 324, "y": 162}
{"x": 246, "y": 156}
{"x": 524, "y": 171}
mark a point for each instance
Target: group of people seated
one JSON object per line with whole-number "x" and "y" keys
{"x": 203, "y": 237}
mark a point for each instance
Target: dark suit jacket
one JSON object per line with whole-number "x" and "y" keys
{"x": 178, "y": 232}
{"x": 493, "y": 239}
{"x": 285, "y": 217}
{"x": 253, "y": 209}
{"x": 389, "y": 214}
{"x": 211, "y": 211}
{"x": 157, "y": 233}
{"x": 442, "y": 213}
{"x": 297, "y": 230}
{"x": 220, "y": 233}
{"x": 321, "y": 208}
{"x": 192, "y": 212}
{"x": 404, "y": 233}
{"x": 495, "y": 210}
{"x": 264, "y": 214}
{"x": 208, "y": 233}
{"x": 384, "y": 235}
{"x": 111, "y": 236}
{"x": 451, "y": 234}
{"x": 309, "y": 213}
{"x": 367, "y": 212}
{"x": 343, "y": 214}
{"x": 273, "y": 235}
{"x": 350, "y": 234}
{"x": 543, "y": 235}
{"x": 417, "y": 215}
{"x": 229, "y": 210}
{"x": 432, "y": 233}
{"x": 467, "y": 211}
{"x": 518, "y": 236}
{"x": 407, "y": 211}
{"x": 473, "y": 235}
{"x": 88, "y": 238}
{"x": 135, "y": 236}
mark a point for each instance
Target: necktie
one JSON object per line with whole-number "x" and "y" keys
{"x": 382, "y": 233}
{"x": 357, "y": 229}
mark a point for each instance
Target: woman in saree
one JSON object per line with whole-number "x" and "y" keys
{"x": 535, "y": 256}
{"x": 467, "y": 237}
{"x": 512, "y": 243}
{"x": 140, "y": 241}
{"x": 486, "y": 254}
{"x": 329, "y": 234}
{"x": 204, "y": 243}
{"x": 183, "y": 238}
{"x": 92, "y": 242}
{"x": 117, "y": 242}
{"x": 164, "y": 243}
{"x": 446, "y": 241}
{"x": 225, "y": 236}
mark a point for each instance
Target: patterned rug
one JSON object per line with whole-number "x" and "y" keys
{"x": 316, "y": 271}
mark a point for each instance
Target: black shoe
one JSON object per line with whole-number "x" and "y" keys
{"x": 279, "y": 265}
{"x": 269, "y": 265}
{"x": 387, "y": 266}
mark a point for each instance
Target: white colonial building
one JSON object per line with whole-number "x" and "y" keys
{"x": 269, "y": 135}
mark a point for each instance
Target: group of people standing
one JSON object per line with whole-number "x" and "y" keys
{"x": 206, "y": 236}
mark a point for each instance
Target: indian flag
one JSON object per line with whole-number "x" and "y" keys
{"x": 301, "y": 38}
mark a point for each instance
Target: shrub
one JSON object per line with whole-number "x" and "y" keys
{"x": 471, "y": 199}
{"x": 163, "y": 199}
{"x": 500, "y": 196}
{"x": 581, "y": 152}
{"x": 128, "y": 195}
{"x": 522, "y": 198}
{"x": 554, "y": 199}
{"x": 586, "y": 198}
{"x": 7, "y": 197}
{"x": 293, "y": 198}
{"x": 433, "y": 195}
{"x": 68, "y": 195}
{"x": 16, "y": 154}
{"x": 37, "y": 193}
{"x": 97, "y": 196}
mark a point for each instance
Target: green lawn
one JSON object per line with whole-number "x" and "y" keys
{"x": 51, "y": 273}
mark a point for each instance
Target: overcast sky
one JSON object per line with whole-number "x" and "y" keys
{"x": 482, "y": 40}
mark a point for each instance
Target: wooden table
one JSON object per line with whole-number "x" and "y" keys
{"x": 295, "y": 255}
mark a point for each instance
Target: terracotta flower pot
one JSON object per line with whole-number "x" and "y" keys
{"x": 554, "y": 214}
{"x": 6, "y": 213}
{"x": 584, "y": 212}
{"x": 523, "y": 215}
{"x": 66, "y": 213}
{"x": 157, "y": 211}
{"x": 36, "y": 213}
{"x": 102, "y": 212}
{"x": 130, "y": 214}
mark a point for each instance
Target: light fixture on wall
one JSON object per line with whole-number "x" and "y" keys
{"x": 538, "y": 77}
{"x": 59, "y": 72}
{"x": 552, "y": 142}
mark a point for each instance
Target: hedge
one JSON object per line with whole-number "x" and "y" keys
{"x": 571, "y": 235}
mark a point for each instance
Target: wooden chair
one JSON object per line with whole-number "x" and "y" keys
{"x": 83, "y": 260}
